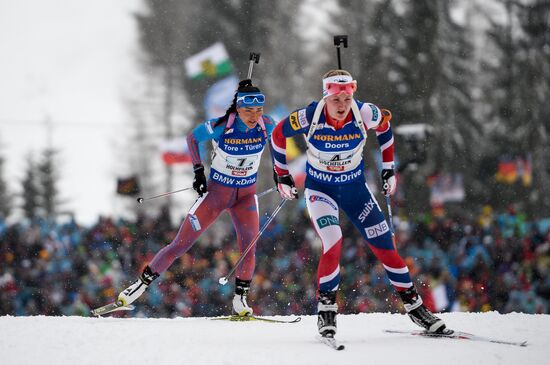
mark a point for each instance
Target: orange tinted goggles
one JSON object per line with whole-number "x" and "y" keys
{"x": 337, "y": 88}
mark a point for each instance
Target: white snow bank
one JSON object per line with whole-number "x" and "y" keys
{"x": 78, "y": 340}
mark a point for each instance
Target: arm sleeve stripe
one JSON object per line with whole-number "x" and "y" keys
{"x": 385, "y": 137}
{"x": 281, "y": 166}
{"x": 387, "y": 145}
{"x": 278, "y": 149}
{"x": 278, "y": 141}
{"x": 193, "y": 149}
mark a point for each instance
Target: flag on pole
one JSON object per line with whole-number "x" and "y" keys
{"x": 175, "y": 151}
{"x": 507, "y": 171}
{"x": 210, "y": 62}
{"x": 128, "y": 186}
{"x": 515, "y": 169}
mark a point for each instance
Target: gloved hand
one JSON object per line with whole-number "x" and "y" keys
{"x": 199, "y": 182}
{"x": 286, "y": 187}
{"x": 389, "y": 182}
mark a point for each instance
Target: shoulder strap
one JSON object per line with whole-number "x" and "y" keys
{"x": 358, "y": 118}
{"x": 230, "y": 121}
{"x": 261, "y": 122}
{"x": 315, "y": 120}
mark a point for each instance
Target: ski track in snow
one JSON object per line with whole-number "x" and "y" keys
{"x": 80, "y": 340}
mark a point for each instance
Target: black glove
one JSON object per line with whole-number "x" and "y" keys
{"x": 286, "y": 187}
{"x": 388, "y": 181}
{"x": 199, "y": 182}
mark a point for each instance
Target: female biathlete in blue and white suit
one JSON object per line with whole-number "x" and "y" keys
{"x": 239, "y": 138}
{"x": 335, "y": 131}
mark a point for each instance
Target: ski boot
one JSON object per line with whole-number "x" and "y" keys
{"x": 327, "y": 310}
{"x": 240, "y": 306}
{"x": 134, "y": 291}
{"x": 421, "y": 315}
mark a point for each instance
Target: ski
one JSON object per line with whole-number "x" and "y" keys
{"x": 111, "y": 307}
{"x": 459, "y": 336}
{"x": 331, "y": 342}
{"x": 236, "y": 318}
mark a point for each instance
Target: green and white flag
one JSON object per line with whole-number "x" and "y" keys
{"x": 210, "y": 62}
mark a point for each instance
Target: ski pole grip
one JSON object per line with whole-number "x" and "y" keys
{"x": 254, "y": 58}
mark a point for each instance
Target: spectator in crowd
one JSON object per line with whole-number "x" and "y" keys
{"x": 67, "y": 269}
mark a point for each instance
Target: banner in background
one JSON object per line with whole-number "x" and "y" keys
{"x": 219, "y": 96}
{"x": 511, "y": 170}
{"x": 446, "y": 188}
{"x": 210, "y": 62}
{"x": 175, "y": 151}
{"x": 128, "y": 186}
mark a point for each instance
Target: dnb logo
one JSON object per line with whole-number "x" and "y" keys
{"x": 327, "y": 220}
{"x": 377, "y": 230}
{"x": 374, "y": 112}
{"x": 314, "y": 198}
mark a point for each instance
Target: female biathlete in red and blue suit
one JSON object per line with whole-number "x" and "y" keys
{"x": 335, "y": 131}
{"x": 239, "y": 138}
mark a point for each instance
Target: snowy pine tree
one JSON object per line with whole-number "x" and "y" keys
{"x": 30, "y": 190}
{"x": 516, "y": 107}
{"x": 5, "y": 197}
{"x": 47, "y": 178}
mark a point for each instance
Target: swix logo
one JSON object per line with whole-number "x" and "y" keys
{"x": 377, "y": 230}
{"x": 314, "y": 198}
{"x": 238, "y": 173}
{"x": 369, "y": 206}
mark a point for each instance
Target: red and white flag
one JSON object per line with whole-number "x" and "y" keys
{"x": 175, "y": 151}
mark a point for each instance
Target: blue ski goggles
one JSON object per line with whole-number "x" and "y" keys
{"x": 249, "y": 100}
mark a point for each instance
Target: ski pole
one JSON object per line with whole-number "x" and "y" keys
{"x": 390, "y": 216}
{"x": 390, "y": 220}
{"x": 223, "y": 280}
{"x": 340, "y": 39}
{"x": 266, "y": 192}
{"x": 141, "y": 200}
{"x": 254, "y": 58}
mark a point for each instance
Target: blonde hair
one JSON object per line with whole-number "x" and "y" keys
{"x": 336, "y": 73}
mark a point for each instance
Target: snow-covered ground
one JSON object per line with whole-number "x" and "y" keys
{"x": 78, "y": 340}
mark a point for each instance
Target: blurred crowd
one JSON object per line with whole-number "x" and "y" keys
{"x": 495, "y": 262}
